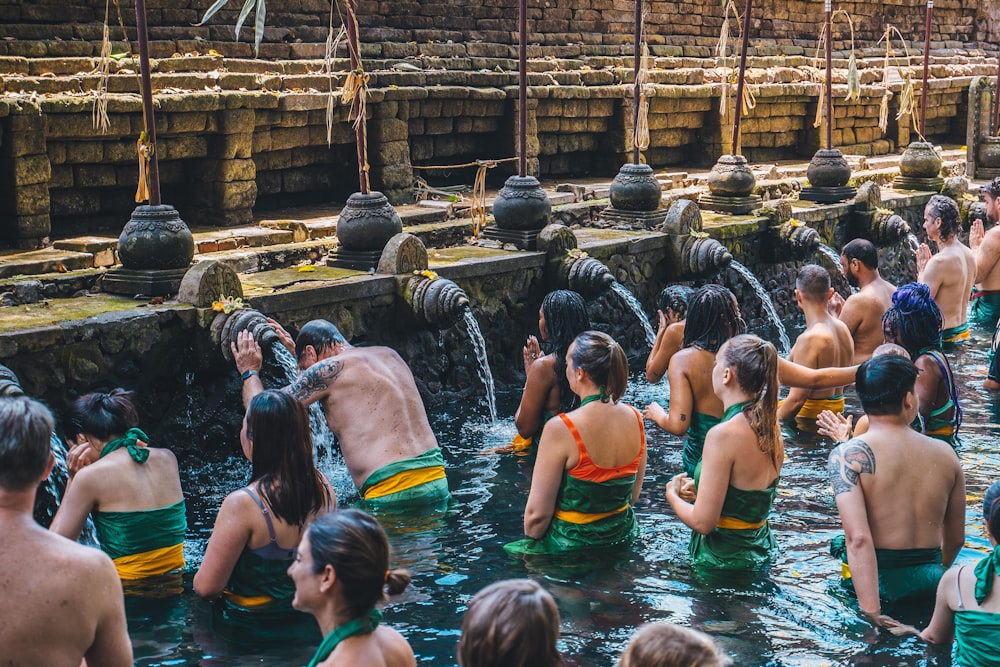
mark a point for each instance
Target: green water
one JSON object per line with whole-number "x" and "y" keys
{"x": 795, "y": 614}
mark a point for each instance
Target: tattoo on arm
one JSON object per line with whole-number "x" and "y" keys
{"x": 316, "y": 379}
{"x": 847, "y": 463}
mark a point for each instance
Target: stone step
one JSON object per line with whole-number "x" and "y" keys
{"x": 46, "y": 260}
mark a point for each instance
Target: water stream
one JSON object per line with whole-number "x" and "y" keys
{"x": 324, "y": 441}
{"x": 832, "y": 254}
{"x": 483, "y": 363}
{"x": 636, "y": 308}
{"x": 912, "y": 242}
{"x": 765, "y": 299}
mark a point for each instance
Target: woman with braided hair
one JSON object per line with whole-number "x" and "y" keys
{"x": 914, "y": 321}
{"x": 737, "y": 478}
{"x": 671, "y": 308}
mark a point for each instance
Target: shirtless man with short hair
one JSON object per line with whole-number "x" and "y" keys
{"x": 371, "y": 404}
{"x": 862, "y": 312}
{"x": 985, "y": 300}
{"x": 950, "y": 273}
{"x": 64, "y": 601}
{"x": 826, "y": 342}
{"x": 900, "y": 495}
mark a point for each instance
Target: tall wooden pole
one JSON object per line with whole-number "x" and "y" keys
{"x": 357, "y": 109}
{"x": 927, "y": 59}
{"x": 829, "y": 75}
{"x": 147, "y": 101}
{"x": 741, "y": 77}
{"x": 522, "y": 89}
{"x": 637, "y": 51}
{"x": 995, "y": 114}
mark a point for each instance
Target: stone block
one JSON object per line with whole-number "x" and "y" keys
{"x": 289, "y": 137}
{"x": 31, "y": 170}
{"x": 396, "y": 152}
{"x": 388, "y": 130}
{"x": 94, "y": 176}
{"x": 229, "y": 196}
{"x": 62, "y": 177}
{"x": 228, "y": 146}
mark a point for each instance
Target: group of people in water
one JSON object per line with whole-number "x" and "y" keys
{"x": 281, "y": 547}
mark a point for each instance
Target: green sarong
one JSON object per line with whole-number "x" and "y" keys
{"x": 984, "y": 307}
{"x": 419, "y": 480}
{"x": 143, "y": 543}
{"x": 578, "y": 502}
{"x": 977, "y": 632}
{"x": 957, "y": 334}
{"x": 903, "y": 574}
{"x": 742, "y": 539}
{"x": 695, "y": 443}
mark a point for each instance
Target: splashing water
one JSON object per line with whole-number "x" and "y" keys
{"x": 483, "y": 365}
{"x": 636, "y": 308}
{"x": 765, "y": 299}
{"x": 324, "y": 441}
{"x": 832, "y": 254}
{"x": 912, "y": 243}
{"x": 51, "y": 492}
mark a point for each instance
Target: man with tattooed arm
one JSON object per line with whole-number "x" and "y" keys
{"x": 900, "y": 494}
{"x": 371, "y": 404}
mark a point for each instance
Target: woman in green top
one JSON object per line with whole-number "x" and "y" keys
{"x": 133, "y": 490}
{"x": 341, "y": 573}
{"x": 968, "y": 601}
{"x": 735, "y": 483}
{"x": 259, "y": 526}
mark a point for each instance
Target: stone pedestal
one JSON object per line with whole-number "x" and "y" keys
{"x": 919, "y": 169}
{"x": 828, "y": 174}
{"x": 156, "y": 248}
{"x": 730, "y": 185}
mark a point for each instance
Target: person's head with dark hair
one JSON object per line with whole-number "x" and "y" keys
{"x": 103, "y": 416}
{"x": 25, "y": 455}
{"x": 674, "y": 300}
{"x": 513, "y": 623}
{"x": 561, "y": 318}
{"x": 991, "y": 193}
{"x": 860, "y": 261}
{"x": 668, "y": 645}
{"x": 991, "y": 511}
{"x": 813, "y": 284}
{"x": 317, "y": 340}
{"x": 914, "y": 319}
{"x": 713, "y": 318}
{"x": 754, "y": 362}
{"x": 343, "y": 563}
{"x": 883, "y": 382}
{"x": 941, "y": 218}
{"x": 599, "y": 356}
{"x": 278, "y": 442}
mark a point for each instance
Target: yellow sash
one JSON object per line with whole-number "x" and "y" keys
{"x": 813, "y": 406}
{"x": 401, "y": 481}
{"x": 732, "y": 523}
{"x": 247, "y": 601}
{"x": 946, "y": 430}
{"x": 572, "y": 516}
{"x": 519, "y": 444}
{"x": 150, "y": 563}
{"x": 961, "y": 335}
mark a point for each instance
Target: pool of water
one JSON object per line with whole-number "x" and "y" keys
{"x": 794, "y": 614}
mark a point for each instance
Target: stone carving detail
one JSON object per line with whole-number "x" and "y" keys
{"x": 522, "y": 205}
{"x": 731, "y": 177}
{"x": 404, "y": 253}
{"x": 209, "y": 281}
{"x": 155, "y": 238}
{"x": 367, "y": 222}
{"x": 635, "y": 188}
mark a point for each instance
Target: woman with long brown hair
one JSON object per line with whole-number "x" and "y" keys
{"x": 737, "y": 478}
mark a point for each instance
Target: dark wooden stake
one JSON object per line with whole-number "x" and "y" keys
{"x": 829, "y": 75}
{"x": 522, "y": 89}
{"x": 147, "y": 100}
{"x": 360, "y": 126}
{"x": 927, "y": 60}
{"x": 635, "y": 92}
{"x": 741, "y": 77}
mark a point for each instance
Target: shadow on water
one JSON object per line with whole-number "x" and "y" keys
{"x": 795, "y": 613}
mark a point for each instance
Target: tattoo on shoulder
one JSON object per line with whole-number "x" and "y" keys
{"x": 848, "y": 461}
{"x": 316, "y": 379}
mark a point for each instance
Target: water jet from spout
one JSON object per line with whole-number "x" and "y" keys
{"x": 766, "y": 302}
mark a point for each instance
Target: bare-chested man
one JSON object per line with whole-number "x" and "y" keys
{"x": 372, "y": 405}
{"x": 900, "y": 494}
{"x": 862, "y": 312}
{"x": 63, "y": 601}
{"x": 985, "y": 302}
{"x": 950, "y": 273}
{"x": 825, "y": 342}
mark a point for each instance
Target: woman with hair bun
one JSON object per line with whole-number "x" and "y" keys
{"x": 132, "y": 489}
{"x": 737, "y": 478}
{"x": 590, "y": 462}
{"x": 341, "y": 572}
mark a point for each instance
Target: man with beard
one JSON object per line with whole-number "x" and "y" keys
{"x": 863, "y": 310}
{"x": 985, "y": 300}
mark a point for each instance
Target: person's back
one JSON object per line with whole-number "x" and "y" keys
{"x": 862, "y": 311}
{"x": 64, "y": 601}
{"x": 951, "y": 273}
{"x": 985, "y": 302}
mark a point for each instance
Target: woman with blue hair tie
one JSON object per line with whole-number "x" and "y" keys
{"x": 968, "y": 601}
{"x": 914, "y": 321}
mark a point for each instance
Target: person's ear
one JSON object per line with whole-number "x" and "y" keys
{"x": 48, "y": 466}
{"x": 328, "y": 579}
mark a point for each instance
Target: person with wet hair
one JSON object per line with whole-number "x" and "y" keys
{"x": 590, "y": 462}
{"x": 985, "y": 300}
{"x": 63, "y": 601}
{"x": 512, "y": 623}
{"x": 341, "y": 573}
{"x": 968, "y": 601}
{"x": 952, "y": 272}
{"x": 862, "y": 311}
{"x": 914, "y": 321}
{"x": 372, "y": 405}
{"x": 900, "y": 496}
{"x": 671, "y": 308}
{"x": 668, "y": 645}
{"x": 132, "y": 490}
{"x": 561, "y": 318}
{"x": 825, "y": 342}
{"x": 735, "y": 482}
{"x": 258, "y": 527}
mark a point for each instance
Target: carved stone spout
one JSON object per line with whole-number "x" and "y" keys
{"x": 692, "y": 253}
{"x": 887, "y": 228}
{"x": 571, "y": 268}
{"x": 226, "y": 326}
{"x": 436, "y": 302}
